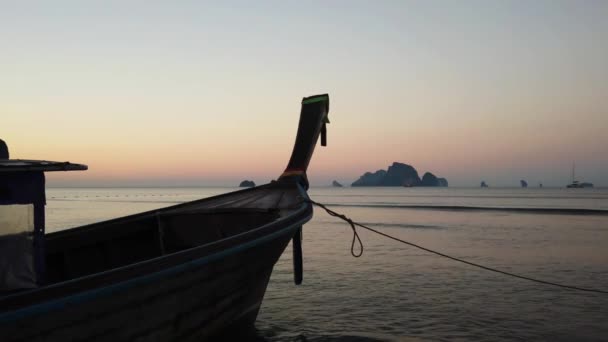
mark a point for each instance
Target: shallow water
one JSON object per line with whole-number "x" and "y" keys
{"x": 396, "y": 292}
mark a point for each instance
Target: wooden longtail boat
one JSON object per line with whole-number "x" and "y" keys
{"x": 186, "y": 272}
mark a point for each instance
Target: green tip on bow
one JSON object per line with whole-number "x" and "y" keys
{"x": 314, "y": 99}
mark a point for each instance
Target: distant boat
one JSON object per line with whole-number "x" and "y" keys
{"x": 483, "y": 184}
{"x": 523, "y": 183}
{"x": 576, "y": 184}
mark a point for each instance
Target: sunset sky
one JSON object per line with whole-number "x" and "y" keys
{"x": 192, "y": 93}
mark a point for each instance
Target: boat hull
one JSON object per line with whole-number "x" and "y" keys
{"x": 211, "y": 296}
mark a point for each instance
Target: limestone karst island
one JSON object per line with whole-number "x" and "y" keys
{"x": 399, "y": 174}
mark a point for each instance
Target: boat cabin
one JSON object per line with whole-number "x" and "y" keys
{"x": 22, "y": 201}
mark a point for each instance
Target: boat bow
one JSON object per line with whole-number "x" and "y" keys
{"x": 313, "y": 121}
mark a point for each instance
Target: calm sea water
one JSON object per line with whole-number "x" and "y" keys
{"x": 395, "y": 292}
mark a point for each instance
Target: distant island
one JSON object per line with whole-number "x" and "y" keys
{"x": 247, "y": 184}
{"x": 399, "y": 174}
{"x": 336, "y": 184}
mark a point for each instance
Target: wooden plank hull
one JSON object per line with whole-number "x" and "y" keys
{"x": 191, "y": 305}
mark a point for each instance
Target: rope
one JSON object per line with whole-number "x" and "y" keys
{"x": 357, "y": 238}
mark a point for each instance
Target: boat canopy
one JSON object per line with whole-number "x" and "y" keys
{"x": 22, "y": 165}
{"x": 22, "y": 201}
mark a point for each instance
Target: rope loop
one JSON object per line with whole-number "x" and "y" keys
{"x": 352, "y": 224}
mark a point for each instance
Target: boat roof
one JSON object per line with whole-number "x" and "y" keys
{"x": 25, "y": 165}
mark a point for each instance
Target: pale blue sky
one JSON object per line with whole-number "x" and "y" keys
{"x": 470, "y": 90}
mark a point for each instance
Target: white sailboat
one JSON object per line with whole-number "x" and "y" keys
{"x": 575, "y": 183}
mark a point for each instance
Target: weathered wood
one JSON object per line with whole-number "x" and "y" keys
{"x": 183, "y": 303}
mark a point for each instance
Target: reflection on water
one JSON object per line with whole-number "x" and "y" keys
{"x": 395, "y": 292}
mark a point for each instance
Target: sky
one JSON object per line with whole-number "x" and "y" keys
{"x": 196, "y": 93}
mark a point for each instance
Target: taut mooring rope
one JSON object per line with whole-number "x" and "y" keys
{"x": 357, "y": 238}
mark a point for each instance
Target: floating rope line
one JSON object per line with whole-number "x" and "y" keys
{"x": 356, "y": 238}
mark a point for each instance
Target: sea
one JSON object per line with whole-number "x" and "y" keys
{"x": 395, "y": 292}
